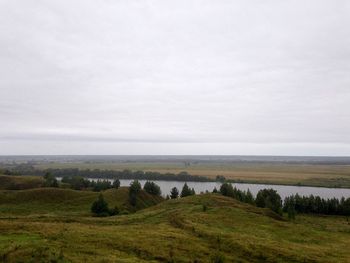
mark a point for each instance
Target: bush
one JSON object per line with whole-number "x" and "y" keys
{"x": 116, "y": 183}
{"x": 100, "y": 207}
{"x": 50, "y": 180}
{"x": 114, "y": 211}
{"x": 204, "y": 207}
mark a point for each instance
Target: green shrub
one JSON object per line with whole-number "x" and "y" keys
{"x": 100, "y": 207}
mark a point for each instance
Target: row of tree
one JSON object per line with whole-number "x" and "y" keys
{"x": 269, "y": 198}
{"x": 316, "y": 205}
{"x": 186, "y": 191}
{"x": 110, "y": 174}
{"x": 100, "y": 206}
{"x": 79, "y": 183}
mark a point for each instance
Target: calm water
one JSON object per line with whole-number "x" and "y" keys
{"x": 283, "y": 190}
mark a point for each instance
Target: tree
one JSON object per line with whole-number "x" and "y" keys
{"x": 249, "y": 197}
{"x": 220, "y": 178}
{"x": 174, "y": 193}
{"x": 291, "y": 212}
{"x": 116, "y": 183}
{"x": 269, "y": 198}
{"x": 186, "y": 191}
{"x": 152, "y": 188}
{"x": 193, "y": 192}
{"x": 215, "y": 190}
{"x": 100, "y": 207}
{"x": 101, "y": 185}
{"x": 50, "y": 180}
{"x": 134, "y": 189}
{"x": 226, "y": 189}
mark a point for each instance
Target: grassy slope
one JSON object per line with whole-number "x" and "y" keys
{"x": 312, "y": 175}
{"x": 20, "y": 182}
{"x": 177, "y": 230}
{"x": 66, "y": 202}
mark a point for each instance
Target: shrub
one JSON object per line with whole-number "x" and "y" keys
{"x": 116, "y": 183}
{"x": 50, "y": 180}
{"x": 100, "y": 207}
{"x": 204, "y": 207}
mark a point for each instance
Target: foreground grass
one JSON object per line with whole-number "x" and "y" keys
{"x": 287, "y": 174}
{"x": 172, "y": 231}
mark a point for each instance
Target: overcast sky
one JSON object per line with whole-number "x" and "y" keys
{"x": 175, "y": 77}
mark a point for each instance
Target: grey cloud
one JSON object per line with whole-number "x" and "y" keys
{"x": 273, "y": 74}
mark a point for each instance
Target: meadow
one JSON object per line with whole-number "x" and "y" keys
{"x": 55, "y": 225}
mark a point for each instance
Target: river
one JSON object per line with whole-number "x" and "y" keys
{"x": 283, "y": 190}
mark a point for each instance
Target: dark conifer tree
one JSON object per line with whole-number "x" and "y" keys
{"x": 174, "y": 193}
{"x": 186, "y": 191}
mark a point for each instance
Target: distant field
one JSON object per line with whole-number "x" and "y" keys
{"x": 172, "y": 231}
{"x": 305, "y": 174}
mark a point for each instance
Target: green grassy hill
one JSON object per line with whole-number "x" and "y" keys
{"x": 67, "y": 202}
{"x": 202, "y": 228}
{"x": 8, "y": 182}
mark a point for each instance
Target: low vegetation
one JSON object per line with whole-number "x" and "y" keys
{"x": 131, "y": 224}
{"x": 178, "y": 230}
{"x": 100, "y": 208}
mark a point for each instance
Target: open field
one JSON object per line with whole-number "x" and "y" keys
{"x": 172, "y": 231}
{"x": 326, "y": 175}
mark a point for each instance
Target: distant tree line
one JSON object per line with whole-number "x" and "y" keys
{"x": 112, "y": 174}
{"x": 9, "y": 172}
{"x": 79, "y": 183}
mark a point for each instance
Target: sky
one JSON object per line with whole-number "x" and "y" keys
{"x": 175, "y": 77}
